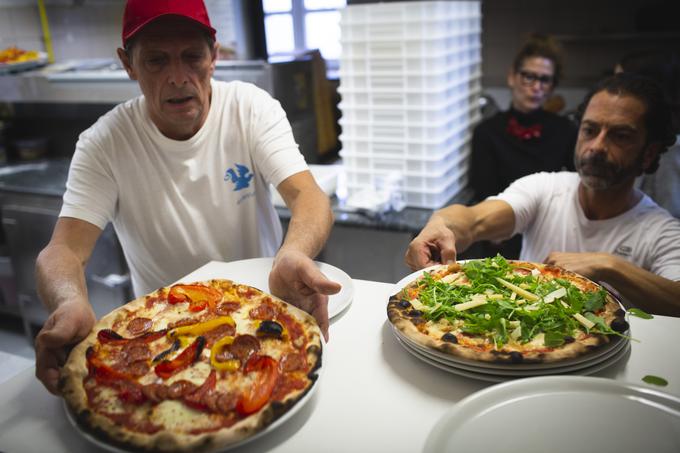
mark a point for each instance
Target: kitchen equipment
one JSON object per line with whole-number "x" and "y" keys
{"x": 30, "y": 201}
{"x": 30, "y": 148}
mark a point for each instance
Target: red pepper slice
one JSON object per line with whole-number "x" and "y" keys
{"x": 198, "y": 296}
{"x": 167, "y": 368}
{"x": 261, "y": 391}
{"x": 101, "y": 371}
{"x": 108, "y": 336}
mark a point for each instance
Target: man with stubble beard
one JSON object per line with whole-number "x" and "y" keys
{"x": 593, "y": 222}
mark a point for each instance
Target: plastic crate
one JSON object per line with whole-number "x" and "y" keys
{"x": 453, "y": 167}
{"x": 410, "y": 64}
{"x": 398, "y": 98}
{"x": 408, "y": 114}
{"x": 463, "y": 118}
{"x": 409, "y": 11}
{"x": 412, "y": 80}
{"x": 382, "y": 157}
{"x": 428, "y": 45}
{"x": 431, "y": 199}
{"x": 407, "y": 30}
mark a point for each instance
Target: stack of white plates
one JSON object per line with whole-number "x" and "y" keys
{"x": 499, "y": 372}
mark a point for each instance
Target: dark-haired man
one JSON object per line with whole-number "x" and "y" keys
{"x": 183, "y": 173}
{"x": 593, "y": 222}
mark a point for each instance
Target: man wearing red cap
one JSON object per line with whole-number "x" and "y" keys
{"x": 183, "y": 173}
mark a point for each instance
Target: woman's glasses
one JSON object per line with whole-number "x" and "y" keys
{"x": 528, "y": 78}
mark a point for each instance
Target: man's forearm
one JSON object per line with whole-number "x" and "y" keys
{"x": 488, "y": 220}
{"x": 310, "y": 224}
{"x": 644, "y": 289}
{"x": 60, "y": 276}
{"x": 460, "y": 220}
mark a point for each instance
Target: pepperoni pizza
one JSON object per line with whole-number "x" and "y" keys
{"x": 192, "y": 367}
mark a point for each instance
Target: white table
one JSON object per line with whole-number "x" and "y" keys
{"x": 373, "y": 396}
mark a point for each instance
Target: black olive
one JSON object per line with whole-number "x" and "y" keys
{"x": 516, "y": 357}
{"x": 270, "y": 329}
{"x": 404, "y": 303}
{"x": 620, "y": 313}
{"x": 569, "y": 339}
{"x": 619, "y": 325}
{"x": 415, "y": 313}
{"x": 175, "y": 346}
{"x": 451, "y": 338}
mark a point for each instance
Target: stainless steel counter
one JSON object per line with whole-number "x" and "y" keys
{"x": 104, "y": 81}
{"x": 30, "y": 201}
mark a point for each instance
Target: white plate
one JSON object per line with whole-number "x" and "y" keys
{"x": 560, "y": 414}
{"x": 516, "y": 370}
{"x": 278, "y": 422}
{"x": 255, "y": 272}
{"x": 492, "y": 376}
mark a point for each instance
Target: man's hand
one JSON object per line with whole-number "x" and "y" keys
{"x": 296, "y": 279}
{"x": 435, "y": 244}
{"x": 67, "y": 325}
{"x": 591, "y": 265}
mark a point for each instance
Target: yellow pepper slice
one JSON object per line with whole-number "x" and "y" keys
{"x": 227, "y": 365}
{"x": 201, "y": 327}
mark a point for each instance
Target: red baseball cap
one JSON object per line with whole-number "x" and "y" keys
{"x": 139, "y": 13}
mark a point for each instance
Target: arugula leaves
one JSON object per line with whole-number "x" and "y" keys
{"x": 655, "y": 380}
{"x": 640, "y": 313}
{"x": 505, "y": 310}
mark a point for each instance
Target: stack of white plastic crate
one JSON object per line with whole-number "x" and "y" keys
{"x": 410, "y": 84}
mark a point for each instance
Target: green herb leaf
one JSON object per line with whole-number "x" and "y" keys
{"x": 492, "y": 320}
{"x": 599, "y": 322}
{"x": 594, "y": 302}
{"x": 553, "y": 339}
{"x": 655, "y": 380}
{"x": 640, "y": 313}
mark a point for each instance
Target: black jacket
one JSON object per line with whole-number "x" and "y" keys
{"x": 499, "y": 157}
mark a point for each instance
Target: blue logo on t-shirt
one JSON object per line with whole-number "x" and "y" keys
{"x": 240, "y": 177}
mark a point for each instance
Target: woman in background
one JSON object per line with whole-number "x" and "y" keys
{"x": 526, "y": 138}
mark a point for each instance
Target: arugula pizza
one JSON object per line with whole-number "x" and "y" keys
{"x": 496, "y": 310}
{"x": 192, "y": 367}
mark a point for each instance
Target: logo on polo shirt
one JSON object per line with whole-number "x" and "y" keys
{"x": 623, "y": 250}
{"x": 240, "y": 176}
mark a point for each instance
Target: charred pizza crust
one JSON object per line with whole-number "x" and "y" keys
{"x": 76, "y": 370}
{"x": 440, "y": 336}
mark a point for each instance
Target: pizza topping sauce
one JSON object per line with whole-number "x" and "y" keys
{"x": 506, "y": 306}
{"x": 214, "y": 352}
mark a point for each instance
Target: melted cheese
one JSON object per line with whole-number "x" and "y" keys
{"x": 537, "y": 342}
{"x": 417, "y": 304}
{"x": 175, "y": 416}
{"x": 196, "y": 374}
{"x": 107, "y": 400}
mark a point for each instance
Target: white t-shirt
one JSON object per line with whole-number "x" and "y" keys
{"x": 177, "y": 204}
{"x": 549, "y": 215}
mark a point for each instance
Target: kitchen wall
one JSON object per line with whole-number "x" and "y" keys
{"x": 594, "y": 34}
{"x": 89, "y": 28}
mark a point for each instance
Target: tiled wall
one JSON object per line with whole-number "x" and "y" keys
{"x": 86, "y": 28}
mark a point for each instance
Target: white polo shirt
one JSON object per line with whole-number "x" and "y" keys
{"x": 549, "y": 215}
{"x": 176, "y": 205}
